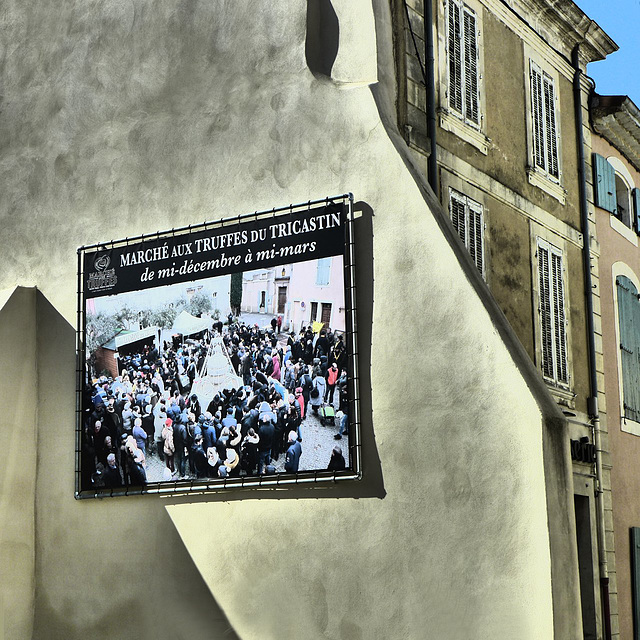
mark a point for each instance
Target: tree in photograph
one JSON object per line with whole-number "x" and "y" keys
{"x": 127, "y": 317}
{"x": 235, "y": 294}
{"x": 199, "y": 304}
{"x": 163, "y": 317}
{"x": 100, "y": 329}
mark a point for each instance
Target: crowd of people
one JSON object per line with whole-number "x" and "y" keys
{"x": 149, "y": 409}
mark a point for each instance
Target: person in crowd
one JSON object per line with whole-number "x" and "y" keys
{"x": 111, "y": 477}
{"x": 252, "y": 421}
{"x": 336, "y": 462}
{"x": 332, "y": 380}
{"x": 318, "y": 390}
{"x": 168, "y": 444}
{"x": 293, "y": 454}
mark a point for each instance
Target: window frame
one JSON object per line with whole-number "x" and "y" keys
{"x": 618, "y": 269}
{"x": 553, "y": 378}
{"x": 451, "y": 119}
{"x": 470, "y": 206}
{"x": 541, "y": 171}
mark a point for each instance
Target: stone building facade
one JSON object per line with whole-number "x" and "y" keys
{"x": 491, "y": 92}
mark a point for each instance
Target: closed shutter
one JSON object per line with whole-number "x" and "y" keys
{"x": 553, "y": 325}
{"x": 604, "y": 181}
{"x": 635, "y": 579}
{"x": 458, "y": 216}
{"x": 455, "y": 57}
{"x": 468, "y": 220}
{"x": 546, "y": 317}
{"x": 537, "y": 111}
{"x": 629, "y": 327}
{"x": 550, "y": 125}
{"x": 560, "y": 338}
{"x": 470, "y": 66}
{"x": 635, "y": 197}
{"x": 322, "y": 274}
{"x": 475, "y": 234}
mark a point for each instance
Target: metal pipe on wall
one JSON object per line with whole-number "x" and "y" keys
{"x": 592, "y": 401}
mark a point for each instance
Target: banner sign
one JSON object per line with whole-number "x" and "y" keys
{"x": 219, "y": 355}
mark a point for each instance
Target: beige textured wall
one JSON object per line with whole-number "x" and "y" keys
{"x": 18, "y": 390}
{"x": 126, "y": 118}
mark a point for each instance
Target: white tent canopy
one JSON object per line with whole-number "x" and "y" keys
{"x": 187, "y": 325}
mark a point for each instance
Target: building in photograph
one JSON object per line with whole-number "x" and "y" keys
{"x": 472, "y": 338}
{"x": 303, "y": 293}
{"x": 616, "y": 199}
{"x": 216, "y": 290}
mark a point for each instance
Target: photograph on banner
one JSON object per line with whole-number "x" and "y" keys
{"x": 240, "y": 373}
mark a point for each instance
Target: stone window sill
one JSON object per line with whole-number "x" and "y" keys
{"x": 542, "y": 181}
{"x": 466, "y": 132}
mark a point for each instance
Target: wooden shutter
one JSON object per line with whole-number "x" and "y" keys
{"x": 635, "y": 197}
{"x": 475, "y": 226}
{"x": 458, "y": 217}
{"x": 629, "y": 327}
{"x": 471, "y": 66}
{"x": 551, "y": 137}
{"x": 635, "y": 579}
{"x": 455, "y": 57}
{"x": 560, "y": 337}
{"x": 545, "y": 312}
{"x": 537, "y": 116}
{"x": 604, "y": 182}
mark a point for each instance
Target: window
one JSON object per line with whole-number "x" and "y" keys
{"x": 466, "y": 216}
{"x": 623, "y": 206}
{"x": 463, "y": 63}
{"x": 322, "y": 275}
{"x": 543, "y": 119}
{"x": 553, "y": 330}
{"x": 629, "y": 328}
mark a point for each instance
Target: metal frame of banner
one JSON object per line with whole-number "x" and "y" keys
{"x": 210, "y": 485}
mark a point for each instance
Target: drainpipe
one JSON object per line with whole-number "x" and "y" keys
{"x": 431, "y": 98}
{"x": 592, "y": 401}
{"x": 428, "y": 76}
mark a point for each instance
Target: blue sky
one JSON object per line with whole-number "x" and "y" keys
{"x": 619, "y": 73}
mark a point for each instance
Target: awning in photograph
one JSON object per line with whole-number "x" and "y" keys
{"x": 187, "y": 325}
{"x": 134, "y": 336}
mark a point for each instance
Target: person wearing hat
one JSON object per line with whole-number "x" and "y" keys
{"x": 169, "y": 446}
{"x": 294, "y": 452}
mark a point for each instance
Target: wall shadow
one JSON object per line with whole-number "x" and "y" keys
{"x": 323, "y": 37}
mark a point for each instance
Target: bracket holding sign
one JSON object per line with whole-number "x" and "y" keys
{"x": 202, "y": 352}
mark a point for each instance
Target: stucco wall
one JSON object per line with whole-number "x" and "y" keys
{"x": 618, "y": 256}
{"x": 124, "y": 118}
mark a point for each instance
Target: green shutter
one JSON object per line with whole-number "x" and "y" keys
{"x": 635, "y": 579}
{"x": 604, "y": 184}
{"x": 635, "y": 196}
{"x": 629, "y": 322}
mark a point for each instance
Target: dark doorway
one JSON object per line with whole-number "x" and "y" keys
{"x": 282, "y": 298}
{"x": 585, "y": 566}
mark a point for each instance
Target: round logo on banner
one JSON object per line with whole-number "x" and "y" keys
{"x": 102, "y": 262}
